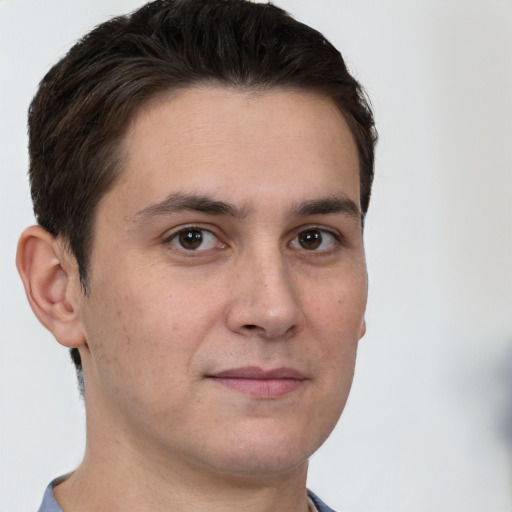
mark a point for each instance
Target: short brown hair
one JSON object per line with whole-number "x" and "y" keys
{"x": 86, "y": 101}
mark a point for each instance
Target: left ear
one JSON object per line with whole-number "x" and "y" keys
{"x": 50, "y": 277}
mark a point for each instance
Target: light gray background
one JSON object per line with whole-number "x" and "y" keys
{"x": 428, "y": 426}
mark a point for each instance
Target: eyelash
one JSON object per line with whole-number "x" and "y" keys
{"x": 338, "y": 239}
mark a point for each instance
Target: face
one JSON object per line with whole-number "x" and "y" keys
{"x": 227, "y": 281}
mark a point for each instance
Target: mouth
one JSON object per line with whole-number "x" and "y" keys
{"x": 260, "y": 383}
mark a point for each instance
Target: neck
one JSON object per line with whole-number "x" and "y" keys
{"x": 118, "y": 474}
{"x": 122, "y": 487}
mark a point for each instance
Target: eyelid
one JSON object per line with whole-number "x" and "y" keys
{"x": 335, "y": 232}
{"x": 172, "y": 232}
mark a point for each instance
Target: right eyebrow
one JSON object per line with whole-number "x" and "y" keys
{"x": 179, "y": 202}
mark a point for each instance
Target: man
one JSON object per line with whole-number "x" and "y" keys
{"x": 200, "y": 172}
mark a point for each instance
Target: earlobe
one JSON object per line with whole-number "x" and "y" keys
{"x": 362, "y": 331}
{"x": 51, "y": 284}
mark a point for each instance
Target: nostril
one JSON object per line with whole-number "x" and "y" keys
{"x": 251, "y": 327}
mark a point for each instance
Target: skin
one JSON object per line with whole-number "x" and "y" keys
{"x": 165, "y": 320}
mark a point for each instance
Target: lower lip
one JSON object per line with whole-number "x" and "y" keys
{"x": 263, "y": 388}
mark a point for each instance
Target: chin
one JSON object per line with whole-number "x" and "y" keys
{"x": 260, "y": 464}
{"x": 265, "y": 453}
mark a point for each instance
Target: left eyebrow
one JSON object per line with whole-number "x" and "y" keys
{"x": 328, "y": 205}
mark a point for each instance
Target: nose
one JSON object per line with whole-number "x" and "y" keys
{"x": 264, "y": 301}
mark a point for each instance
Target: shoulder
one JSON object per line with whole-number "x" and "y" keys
{"x": 49, "y": 503}
{"x": 319, "y": 504}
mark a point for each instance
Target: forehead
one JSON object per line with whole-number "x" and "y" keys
{"x": 239, "y": 142}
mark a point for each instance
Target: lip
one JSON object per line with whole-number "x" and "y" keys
{"x": 257, "y": 382}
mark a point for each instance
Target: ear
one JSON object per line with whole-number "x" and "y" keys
{"x": 362, "y": 331}
{"x": 50, "y": 277}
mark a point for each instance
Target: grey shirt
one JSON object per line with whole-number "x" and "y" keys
{"x": 50, "y": 504}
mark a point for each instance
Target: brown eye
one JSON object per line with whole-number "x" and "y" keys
{"x": 311, "y": 239}
{"x": 314, "y": 239}
{"x": 195, "y": 239}
{"x": 190, "y": 239}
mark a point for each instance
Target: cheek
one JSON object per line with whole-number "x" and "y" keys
{"x": 147, "y": 326}
{"x": 336, "y": 321}
{"x": 135, "y": 357}
{"x": 338, "y": 309}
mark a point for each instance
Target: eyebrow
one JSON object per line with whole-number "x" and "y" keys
{"x": 179, "y": 202}
{"x": 329, "y": 205}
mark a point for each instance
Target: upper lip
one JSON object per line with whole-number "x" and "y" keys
{"x": 254, "y": 372}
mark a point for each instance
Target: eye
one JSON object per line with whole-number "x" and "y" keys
{"x": 314, "y": 239}
{"x": 195, "y": 239}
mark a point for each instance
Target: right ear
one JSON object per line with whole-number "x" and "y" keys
{"x": 52, "y": 285}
